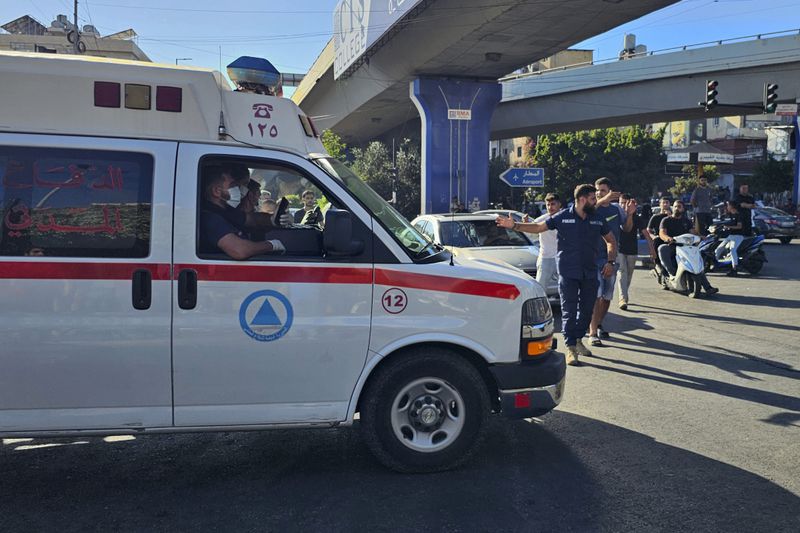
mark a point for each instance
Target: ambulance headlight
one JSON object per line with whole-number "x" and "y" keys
{"x": 536, "y": 311}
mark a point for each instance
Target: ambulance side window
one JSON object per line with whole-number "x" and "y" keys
{"x": 75, "y": 203}
{"x": 262, "y": 184}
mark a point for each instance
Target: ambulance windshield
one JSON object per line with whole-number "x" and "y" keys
{"x": 404, "y": 232}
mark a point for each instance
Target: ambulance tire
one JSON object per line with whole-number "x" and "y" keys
{"x": 439, "y": 369}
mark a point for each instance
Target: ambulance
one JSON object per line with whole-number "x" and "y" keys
{"x": 114, "y": 320}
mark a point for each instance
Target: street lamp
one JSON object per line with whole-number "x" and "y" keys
{"x": 182, "y": 59}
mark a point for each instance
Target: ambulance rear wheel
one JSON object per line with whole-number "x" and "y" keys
{"x": 425, "y": 411}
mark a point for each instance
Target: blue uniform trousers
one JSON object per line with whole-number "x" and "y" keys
{"x": 577, "y": 303}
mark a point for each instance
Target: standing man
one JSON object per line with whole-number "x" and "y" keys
{"x": 616, "y": 218}
{"x": 546, "y": 271}
{"x": 310, "y": 214}
{"x": 629, "y": 248}
{"x": 702, "y": 199}
{"x": 578, "y": 229}
{"x": 745, "y": 203}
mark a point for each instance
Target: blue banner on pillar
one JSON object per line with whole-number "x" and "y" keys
{"x": 455, "y": 115}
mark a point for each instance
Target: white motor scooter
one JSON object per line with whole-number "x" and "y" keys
{"x": 691, "y": 268}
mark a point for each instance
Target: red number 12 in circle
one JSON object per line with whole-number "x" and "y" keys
{"x": 394, "y": 301}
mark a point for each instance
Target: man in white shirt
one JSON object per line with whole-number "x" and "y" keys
{"x": 546, "y": 272}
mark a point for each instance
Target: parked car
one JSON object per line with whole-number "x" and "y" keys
{"x": 773, "y": 223}
{"x": 517, "y": 216}
{"x": 477, "y": 236}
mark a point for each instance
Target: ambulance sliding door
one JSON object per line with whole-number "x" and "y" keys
{"x": 84, "y": 277}
{"x": 275, "y": 338}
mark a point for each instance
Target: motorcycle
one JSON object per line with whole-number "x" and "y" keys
{"x": 751, "y": 256}
{"x": 688, "y": 279}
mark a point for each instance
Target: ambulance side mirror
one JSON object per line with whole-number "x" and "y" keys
{"x": 337, "y": 237}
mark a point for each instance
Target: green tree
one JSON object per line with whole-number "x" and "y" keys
{"x": 334, "y": 145}
{"x": 689, "y": 181}
{"x": 772, "y": 176}
{"x": 374, "y": 165}
{"x": 632, "y": 157}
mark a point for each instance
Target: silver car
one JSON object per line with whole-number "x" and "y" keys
{"x": 477, "y": 236}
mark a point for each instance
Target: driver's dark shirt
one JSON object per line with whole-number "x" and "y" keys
{"x": 216, "y": 222}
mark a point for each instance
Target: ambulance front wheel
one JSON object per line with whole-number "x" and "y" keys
{"x": 425, "y": 411}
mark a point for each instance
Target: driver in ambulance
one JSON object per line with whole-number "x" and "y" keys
{"x": 223, "y": 227}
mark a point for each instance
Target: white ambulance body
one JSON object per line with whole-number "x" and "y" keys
{"x": 114, "y": 320}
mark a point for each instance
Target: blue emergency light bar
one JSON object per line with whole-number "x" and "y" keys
{"x": 256, "y": 75}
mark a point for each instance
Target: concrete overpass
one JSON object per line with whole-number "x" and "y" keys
{"x": 653, "y": 88}
{"x": 447, "y": 56}
{"x": 457, "y": 39}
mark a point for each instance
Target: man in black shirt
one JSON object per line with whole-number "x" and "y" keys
{"x": 629, "y": 249}
{"x": 222, "y": 226}
{"x": 740, "y": 226}
{"x": 745, "y": 201}
{"x": 671, "y": 227}
{"x": 654, "y": 241}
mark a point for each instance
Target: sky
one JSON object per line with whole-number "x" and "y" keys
{"x": 291, "y": 34}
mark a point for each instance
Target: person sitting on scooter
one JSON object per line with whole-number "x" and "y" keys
{"x": 672, "y": 226}
{"x": 652, "y": 228}
{"x": 740, "y": 226}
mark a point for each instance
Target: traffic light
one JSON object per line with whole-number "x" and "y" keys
{"x": 770, "y": 97}
{"x": 711, "y": 95}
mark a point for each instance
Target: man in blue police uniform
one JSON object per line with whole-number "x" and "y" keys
{"x": 578, "y": 228}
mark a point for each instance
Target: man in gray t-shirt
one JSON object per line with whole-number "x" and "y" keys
{"x": 702, "y": 201}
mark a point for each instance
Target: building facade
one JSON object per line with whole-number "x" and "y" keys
{"x": 26, "y": 34}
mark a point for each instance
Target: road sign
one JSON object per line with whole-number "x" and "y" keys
{"x": 523, "y": 177}
{"x": 786, "y": 110}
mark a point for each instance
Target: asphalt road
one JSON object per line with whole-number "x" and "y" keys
{"x": 689, "y": 420}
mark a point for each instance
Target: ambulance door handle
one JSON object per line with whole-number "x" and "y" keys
{"x": 187, "y": 289}
{"x": 142, "y": 289}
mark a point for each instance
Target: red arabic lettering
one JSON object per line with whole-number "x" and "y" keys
{"x": 23, "y": 218}
{"x": 75, "y": 178}
{"x": 273, "y": 131}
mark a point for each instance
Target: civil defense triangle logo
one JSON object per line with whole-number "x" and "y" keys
{"x": 266, "y": 315}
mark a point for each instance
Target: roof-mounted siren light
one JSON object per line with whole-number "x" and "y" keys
{"x": 256, "y": 75}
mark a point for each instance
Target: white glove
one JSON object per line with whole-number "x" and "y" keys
{"x": 277, "y": 246}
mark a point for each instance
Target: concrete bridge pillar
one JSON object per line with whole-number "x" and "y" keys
{"x": 455, "y": 140}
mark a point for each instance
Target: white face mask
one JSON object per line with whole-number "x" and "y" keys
{"x": 235, "y": 197}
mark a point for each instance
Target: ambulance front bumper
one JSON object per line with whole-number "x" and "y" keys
{"x": 530, "y": 389}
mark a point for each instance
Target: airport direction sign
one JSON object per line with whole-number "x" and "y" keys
{"x": 523, "y": 177}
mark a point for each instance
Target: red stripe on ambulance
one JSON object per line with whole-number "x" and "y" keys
{"x": 408, "y": 280}
{"x": 95, "y": 271}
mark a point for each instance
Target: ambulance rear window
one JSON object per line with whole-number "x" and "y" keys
{"x": 74, "y": 203}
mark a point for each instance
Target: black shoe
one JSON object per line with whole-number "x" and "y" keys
{"x": 712, "y": 290}
{"x": 602, "y": 333}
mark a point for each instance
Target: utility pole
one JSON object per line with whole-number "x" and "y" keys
{"x": 77, "y": 33}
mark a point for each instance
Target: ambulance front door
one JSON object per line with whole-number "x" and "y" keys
{"x": 277, "y": 338}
